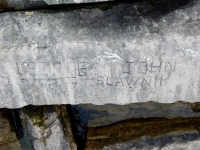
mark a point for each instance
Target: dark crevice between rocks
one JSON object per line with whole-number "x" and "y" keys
{"x": 8, "y": 135}
{"x": 79, "y": 126}
{"x": 6, "y": 113}
{"x": 16, "y": 121}
{"x": 66, "y": 123}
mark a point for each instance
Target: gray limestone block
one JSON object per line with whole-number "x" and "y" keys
{"x": 134, "y": 52}
{"x": 43, "y": 127}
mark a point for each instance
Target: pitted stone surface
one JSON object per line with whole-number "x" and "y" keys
{"x": 135, "y": 52}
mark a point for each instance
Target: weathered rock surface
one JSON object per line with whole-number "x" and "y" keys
{"x": 163, "y": 131}
{"x": 146, "y": 133}
{"x": 184, "y": 141}
{"x": 147, "y": 125}
{"x": 101, "y": 115}
{"x": 134, "y": 52}
{"x": 44, "y": 128}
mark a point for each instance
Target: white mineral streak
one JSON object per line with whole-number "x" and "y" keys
{"x": 53, "y": 2}
{"x": 114, "y": 56}
{"x": 111, "y": 57}
{"x": 192, "y": 52}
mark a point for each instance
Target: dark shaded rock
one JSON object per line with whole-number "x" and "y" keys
{"x": 167, "y": 130}
{"x": 88, "y": 115}
{"x": 79, "y": 123}
{"x": 6, "y": 5}
{"x": 8, "y": 136}
{"x": 122, "y": 126}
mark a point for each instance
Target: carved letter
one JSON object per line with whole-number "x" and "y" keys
{"x": 145, "y": 81}
{"x": 119, "y": 80}
{"x": 169, "y": 65}
{"x": 129, "y": 67}
{"x": 142, "y": 68}
{"x": 132, "y": 81}
{"x": 100, "y": 80}
{"x": 82, "y": 69}
{"x": 108, "y": 83}
{"x": 156, "y": 68}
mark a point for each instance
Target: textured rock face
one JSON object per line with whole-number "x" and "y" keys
{"x": 44, "y": 128}
{"x": 175, "y": 141}
{"x": 137, "y": 126}
{"x": 146, "y": 133}
{"x": 131, "y": 53}
{"x": 96, "y": 116}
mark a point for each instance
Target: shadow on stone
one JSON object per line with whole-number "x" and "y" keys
{"x": 16, "y": 121}
{"x": 8, "y": 136}
{"x": 79, "y": 125}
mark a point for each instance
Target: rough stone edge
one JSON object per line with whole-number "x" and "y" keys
{"x": 5, "y": 5}
{"x": 65, "y": 120}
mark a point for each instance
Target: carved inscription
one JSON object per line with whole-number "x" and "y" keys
{"x": 142, "y": 73}
{"x": 51, "y": 70}
{"x": 57, "y": 77}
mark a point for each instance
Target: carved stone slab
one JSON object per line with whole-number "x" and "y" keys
{"x": 135, "y": 52}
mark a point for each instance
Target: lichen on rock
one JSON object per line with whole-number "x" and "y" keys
{"x": 44, "y": 128}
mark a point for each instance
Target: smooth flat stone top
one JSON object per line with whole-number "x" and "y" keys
{"x": 135, "y": 52}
